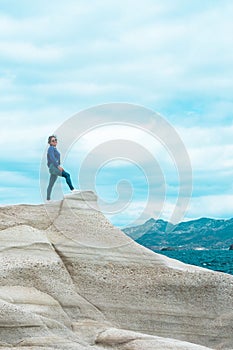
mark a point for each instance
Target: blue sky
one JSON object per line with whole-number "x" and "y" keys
{"x": 174, "y": 57}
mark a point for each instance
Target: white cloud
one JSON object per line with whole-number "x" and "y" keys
{"x": 107, "y": 143}
{"x": 151, "y": 56}
{"x": 209, "y": 148}
{"x": 76, "y": 88}
{"x": 8, "y": 178}
{"x": 216, "y": 206}
{"x": 12, "y": 28}
{"x": 29, "y": 52}
{"x": 23, "y": 134}
{"x": 174, "y": 57}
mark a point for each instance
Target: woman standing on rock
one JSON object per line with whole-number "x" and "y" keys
{"x": 55, "y": 170}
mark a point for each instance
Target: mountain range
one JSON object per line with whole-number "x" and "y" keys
{"x": 203, "y": 233}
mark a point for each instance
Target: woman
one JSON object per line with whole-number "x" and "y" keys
{"x": 53, "y": 157}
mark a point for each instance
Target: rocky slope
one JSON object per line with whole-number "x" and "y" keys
{"x": 201, "y": 233}
{"x": 71, "y": 280}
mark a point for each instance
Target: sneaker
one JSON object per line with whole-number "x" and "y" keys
{"x": 75, "y": 190}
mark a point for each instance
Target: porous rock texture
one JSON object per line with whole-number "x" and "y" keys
{"x": 71, "y": 280}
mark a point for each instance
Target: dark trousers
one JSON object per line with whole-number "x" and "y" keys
{"x": 53, "y": 179}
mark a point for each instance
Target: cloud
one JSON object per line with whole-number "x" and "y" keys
{"x": 23, "y": 135}
{"x": 210, "y": 148}
{"x": 152, "y": 58}
{"x": 216, "y": 206}
{"x": 28, "y": 52}
{"x": 173, "y": 57}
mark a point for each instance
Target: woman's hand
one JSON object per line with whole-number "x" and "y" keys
{"x": 60, "y": 168}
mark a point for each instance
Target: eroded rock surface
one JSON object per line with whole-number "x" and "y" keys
{"x": 71, "y": 280}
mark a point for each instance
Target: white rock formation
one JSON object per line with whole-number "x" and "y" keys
{"x": 71, "y": 280}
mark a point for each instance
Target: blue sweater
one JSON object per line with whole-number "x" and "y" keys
{"x": 53, "y": 156}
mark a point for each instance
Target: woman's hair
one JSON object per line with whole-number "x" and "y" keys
{"x": 50, "y": 138}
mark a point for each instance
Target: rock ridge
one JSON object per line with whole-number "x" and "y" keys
{"x": 71, "y": 280}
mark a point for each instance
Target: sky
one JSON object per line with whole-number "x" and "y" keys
{"x": 60, "y": 59}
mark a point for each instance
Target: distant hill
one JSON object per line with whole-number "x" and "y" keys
{"x": 201, "y": 233}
